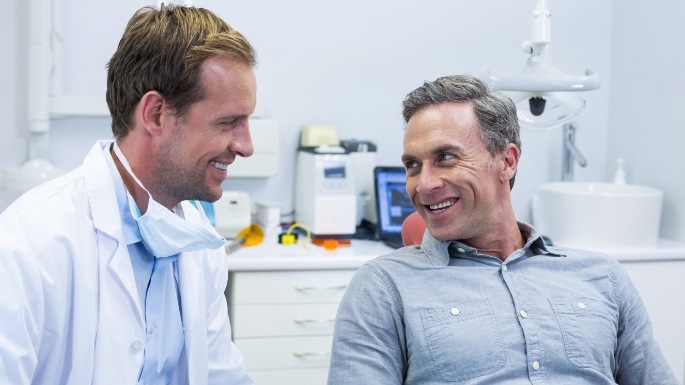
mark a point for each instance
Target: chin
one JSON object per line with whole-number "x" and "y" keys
{"x": 213, "y": 197}
{"x": 444, "y": 235}
{"x": 211, "y": 191}
{"x": 439, "y": 235}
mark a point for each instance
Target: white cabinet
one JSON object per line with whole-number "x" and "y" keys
{"x": 283, "y": 322}
{"x": 662, "y": 287}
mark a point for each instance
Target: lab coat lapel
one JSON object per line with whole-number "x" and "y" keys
{"x": 193, "y": 316}
{"x": 119, "y": 331}
{"x": 193, "y": 304}
{"x": 107, "y": 222}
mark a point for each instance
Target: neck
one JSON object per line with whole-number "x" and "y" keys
{"x": 139, "y": 195}
{"x": 500, "y": 241}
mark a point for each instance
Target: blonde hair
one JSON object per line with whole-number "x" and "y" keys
{"x": 162, "y": 50}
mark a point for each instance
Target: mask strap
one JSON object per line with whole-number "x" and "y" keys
{"x": 127, "y": 166}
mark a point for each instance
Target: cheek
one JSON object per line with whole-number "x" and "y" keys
{"x": 411, "y": 189}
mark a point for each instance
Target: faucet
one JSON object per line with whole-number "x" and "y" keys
{"x": 571, "y": 152}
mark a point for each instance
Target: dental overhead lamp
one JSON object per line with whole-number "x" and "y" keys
{"x": 542, "y": 92}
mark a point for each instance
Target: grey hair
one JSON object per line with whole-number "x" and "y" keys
{"x": 496, "y": 112}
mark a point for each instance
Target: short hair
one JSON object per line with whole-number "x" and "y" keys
{"x": 163, "y": 50}
{"x": 496, "y": 113}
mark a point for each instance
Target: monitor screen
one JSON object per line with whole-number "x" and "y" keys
{"x": 392, "y": 199}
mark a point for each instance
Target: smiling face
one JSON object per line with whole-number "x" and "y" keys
{"x": 458, "y": 188}
{"x": 198, "y": 147}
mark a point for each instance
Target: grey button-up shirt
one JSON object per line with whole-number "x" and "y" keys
{"x": 442, "y": 313}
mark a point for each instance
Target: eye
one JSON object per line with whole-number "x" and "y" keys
{"x": 411, "y": 164}
{"x": 446, "y": 157}
{"x": 229, "y": 123}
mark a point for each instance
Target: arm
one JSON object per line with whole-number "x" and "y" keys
{"x": 638, "y": 358}
{"x": 369, "y": 342}
{"x": 21, "y": 304}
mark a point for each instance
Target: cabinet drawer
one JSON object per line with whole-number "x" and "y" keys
{"x": 288, "y": 286}
{"x": 317, "y": 376}
{"x": 283, "y": 320}
{"x": 285, "y": 353}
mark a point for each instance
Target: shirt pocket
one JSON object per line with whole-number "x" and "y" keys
{"x": 463, "y": 341}
{"x": 589, "y": 330}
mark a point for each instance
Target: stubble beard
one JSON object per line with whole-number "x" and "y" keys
{"x": 176, "y": 178}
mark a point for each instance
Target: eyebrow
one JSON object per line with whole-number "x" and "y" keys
{"x": 436, "y": 151}
{"x": 223, "y": 118}
{"x": 446, "y": 148}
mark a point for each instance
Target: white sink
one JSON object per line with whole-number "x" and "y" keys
{"x": 598, "y": 215}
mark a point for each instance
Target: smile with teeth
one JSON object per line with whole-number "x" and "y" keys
{"x": 220, "y": 166}
{"x": 440, "y": 207}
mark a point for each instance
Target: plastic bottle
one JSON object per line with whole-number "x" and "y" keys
{"x": 620, "y": 175}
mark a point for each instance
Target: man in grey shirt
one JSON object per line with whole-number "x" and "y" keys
{"x": 483, "y": 300}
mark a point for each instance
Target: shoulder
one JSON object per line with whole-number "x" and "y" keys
{"x": 593, "y": 266}
{"x": 406, "y": 257}
{"x": 588, "y": 260}
{"x": 392, "y": 267}
{"x": 583, "y": 257}
{"x": 47, "y": 219}
{"x": 48, "y": 202}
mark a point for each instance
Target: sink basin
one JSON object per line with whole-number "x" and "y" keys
{"x": 598, "y": 215}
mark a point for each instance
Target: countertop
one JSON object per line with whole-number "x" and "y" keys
{"x": 272, "y": 256}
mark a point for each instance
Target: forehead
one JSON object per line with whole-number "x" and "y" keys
{"x": 227, "y": 78}
{"x": 228, "y": 83}
{"x": 444, "y": 124}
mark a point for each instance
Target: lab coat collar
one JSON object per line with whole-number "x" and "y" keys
{"x": 101, "y": 191}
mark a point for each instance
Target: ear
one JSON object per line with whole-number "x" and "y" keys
{"x": 510, "y": 162}
{"x": 150, "y": 112}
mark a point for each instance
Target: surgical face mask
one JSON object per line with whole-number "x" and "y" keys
{"x": 164, "y": 232}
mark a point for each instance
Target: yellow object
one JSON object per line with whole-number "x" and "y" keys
{"x": 254, "y": 235}
{"x": 289, "y": 239}
{"x": 315, "y": 135}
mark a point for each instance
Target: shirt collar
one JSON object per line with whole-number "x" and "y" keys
{"x": 440, "y": 252}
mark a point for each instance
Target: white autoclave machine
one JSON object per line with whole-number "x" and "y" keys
{"x": 325, "y": 192}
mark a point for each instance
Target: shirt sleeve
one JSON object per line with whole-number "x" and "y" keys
{"x": 639, "y": 360}
{"x": 368, "y": 339}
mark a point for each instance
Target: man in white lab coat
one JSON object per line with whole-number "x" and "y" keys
{"x": 109, "y": 274}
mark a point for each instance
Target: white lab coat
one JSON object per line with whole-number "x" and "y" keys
{"x": 69, "y": 307}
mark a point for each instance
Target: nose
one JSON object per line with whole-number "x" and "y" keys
{"x": 428, "y": 180}
{"x": 241, "y": 145}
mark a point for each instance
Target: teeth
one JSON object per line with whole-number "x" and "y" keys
{"x": 441, "y": 205}
{"x": 220, "y": 166}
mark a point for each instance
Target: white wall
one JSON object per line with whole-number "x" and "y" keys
{"x": 647, "y": 108}
{"x": 350, "y": 64}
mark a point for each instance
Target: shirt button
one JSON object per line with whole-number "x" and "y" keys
{"x": 523, "y": 313}
{"x": 536, "y": 365}
{"x": 461, "y": 250}
{"x": 454, "y": 311}
{"x": 135, "y": 347}
{"x": 504, "y": 267}
{"x": 581, "y": 305}
{"x": 152, "y": 328}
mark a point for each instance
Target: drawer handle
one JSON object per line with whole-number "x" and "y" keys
{"x": 303, "y": 288}
{"x": 314, "y": 321}
{"x": 311, "y": 354}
